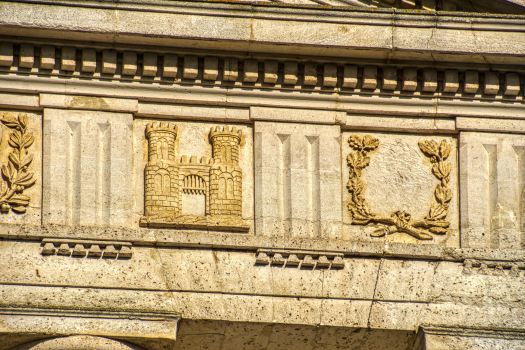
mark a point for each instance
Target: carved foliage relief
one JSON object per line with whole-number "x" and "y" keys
{"x": 17, "y": 170}
{"x": 436, "y": 153}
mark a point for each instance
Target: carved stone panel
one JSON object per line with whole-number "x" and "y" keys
{"x": 492, "y": 190}
{"x": 21, "y": 167}
{"x": 297, "y": 190}
{"x": 400, "y": 188}
{"x": 88, "y": 168}
{"x": 195, "y": 175}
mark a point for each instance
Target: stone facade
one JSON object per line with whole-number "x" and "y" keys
{"x": 253, "y": 175}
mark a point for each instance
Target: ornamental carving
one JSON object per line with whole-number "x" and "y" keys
{"x": 168, "y": 180}
{"x": 400, "y": 221}
{"x": 16, "y": 174}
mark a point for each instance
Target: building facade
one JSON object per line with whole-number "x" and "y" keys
{"x": 335, "y": 174}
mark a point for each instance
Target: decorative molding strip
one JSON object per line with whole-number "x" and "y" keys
{"x": 89, "y": 248}
{"x": 270, "y": 74}
{"x": 300, "y": 258}
{"x": 497, "y": 268}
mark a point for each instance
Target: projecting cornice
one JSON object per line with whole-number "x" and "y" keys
{"x": 383, "y": 34}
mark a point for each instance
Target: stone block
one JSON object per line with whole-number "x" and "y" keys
{"x": 389, "y": 78}
{"x": 409, "y": 79}
{"x": 149, "y": 64}
{"x": 250, "y": 71}
{"x": 169, "y": 65}
{"x": 27, "y": 56}
{"x": 430, "y": 80}
{"x": 290, "y": 72}
{"x": 69, "y": 59}
{"x": 129, "y": 63}
{"x": 451, "y": 81}
{"x": 89, "y": 60}
{"x": 297, "y": 192}
{"x": 310, "y": 74}
{"x": 190, "y": 69}
{"x": 491, "y": 86}
{"x": 88, "y": 172}
{"x": 397, "y": 180}
{"x": 6, "y": 54}
{"x": 350, "y": 76}
{"x": 512, "y": 84}
{"x": 231, "y": 69}
{"x": 211, "y": 68}
{"x": 271, "y": 68}
{"x": 492, "y": 187}
{"x": 471, "y": 85}
{"x": 47, "y": 57}
{"x": 330, "y": 75}
{"x": 109, "y": 61}
{"x": 369, "y": 77}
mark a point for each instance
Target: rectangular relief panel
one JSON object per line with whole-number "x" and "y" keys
{"x": 87, "y": 168}
{"x": 400, "y": 188}
{"x": 193, "y": 175}
{"x": 21, "y": 167}
{"x": 492, "y": 190}
{"x": 297, "y": 177}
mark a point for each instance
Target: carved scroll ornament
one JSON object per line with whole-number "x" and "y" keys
{"x": 16, "y": 175}
{"x": 400, "y": 221}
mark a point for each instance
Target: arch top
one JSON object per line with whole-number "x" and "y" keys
{"x": 77, "y": 342}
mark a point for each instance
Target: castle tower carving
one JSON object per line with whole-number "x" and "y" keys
{"x": 168, "y": 179}
{"x": 161, "y": 173}
{"x": 225, "y": 174}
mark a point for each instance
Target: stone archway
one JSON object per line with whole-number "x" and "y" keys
{"x": 77, "y": 342}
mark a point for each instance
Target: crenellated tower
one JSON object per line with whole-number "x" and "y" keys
{"x": 161, "y": 173}
{"x": 225, "y": 173}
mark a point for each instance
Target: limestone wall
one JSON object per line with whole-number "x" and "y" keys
{"x": 325, "y": 198}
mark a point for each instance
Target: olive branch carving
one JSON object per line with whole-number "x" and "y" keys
{"x": 16, "y": 174}
{"x": 400, "y": 221}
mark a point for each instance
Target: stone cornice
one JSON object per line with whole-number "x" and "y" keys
{"x": 217, "y": 80}
{"x": 382, "y": 34}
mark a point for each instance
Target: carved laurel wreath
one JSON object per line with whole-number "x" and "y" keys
{"x": 400, "y": 221}
{"x": 16, "y": 173}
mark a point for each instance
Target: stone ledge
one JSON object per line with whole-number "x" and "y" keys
{"x": 218, "y": 240}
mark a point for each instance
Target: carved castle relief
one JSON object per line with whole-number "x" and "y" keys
{"x": 171, "y": 185}
{"x": 400, "y": 221}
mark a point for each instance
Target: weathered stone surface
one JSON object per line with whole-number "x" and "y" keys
{"x": 88, "y": 172}
{"x": 492, "y": 181}
{"x": 297, "y": 180}
{"x": 285, "y": 259}
{"x": 399, "y": 177}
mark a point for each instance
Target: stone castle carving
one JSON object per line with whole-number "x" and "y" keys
{"x": 168, "y": 181}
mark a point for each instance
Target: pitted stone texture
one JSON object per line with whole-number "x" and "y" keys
{"x": 81, "y": 342}
{"x": 468, "y": 341}
{"x": 34, "y": 209}
{"x": 297, "y": 179}
{"x": 492, "y": 190}
{"x": 88, "y": 172}
{"x": 399, "y": 177}
{"x": 192, "y": 140}
{"x": 197, "y": 335}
